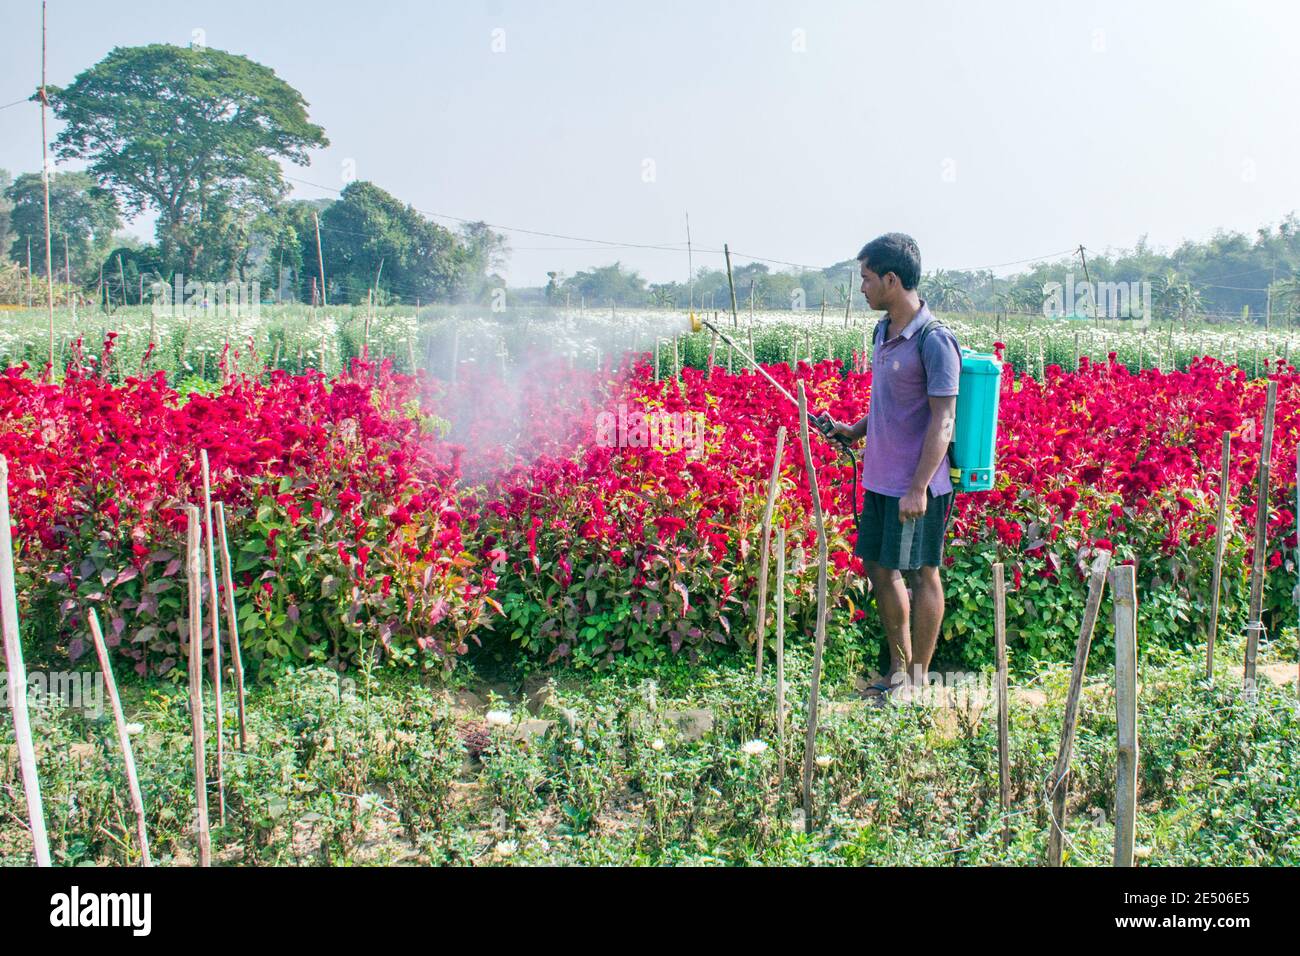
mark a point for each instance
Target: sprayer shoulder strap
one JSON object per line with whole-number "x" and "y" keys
{"x": 932, "y": 323}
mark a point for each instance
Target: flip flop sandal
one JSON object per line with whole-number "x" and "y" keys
{"x": 882, "y": 688}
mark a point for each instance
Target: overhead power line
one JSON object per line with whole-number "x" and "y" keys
{"x": 663, "y": 247}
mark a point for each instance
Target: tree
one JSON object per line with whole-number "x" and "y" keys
{"x": 79, "y": 209}
{"x": 368, "y": 226}
{"x": 942, "y": 290}
{"x": 605, "y": 284}
{"x": 6, "y": 210}
{"x": 1286, "y": 293}
{"x": 193, "y": 134}
{"x": 1175, "y": 296}
{"x": 284, "y": 249}
{"x": 485, "y": 255}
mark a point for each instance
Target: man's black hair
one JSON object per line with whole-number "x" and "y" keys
{"x": 894, "y": 252}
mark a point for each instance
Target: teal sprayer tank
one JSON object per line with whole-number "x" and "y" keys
{"x": 974, "y": 444}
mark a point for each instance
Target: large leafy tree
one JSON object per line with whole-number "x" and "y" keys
{"x": 193, "y": 134}
{"x": 80, "y": 211}
{"x": 369, "y": 236}
{"x": 604, "y": 284}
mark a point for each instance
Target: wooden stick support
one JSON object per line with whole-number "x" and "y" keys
{"x": 819, "y": 641}
{"x": 214, "y": 620}
{"x": 1254, "y": 624}
{"x": 123, "y": 738}
{"x": 760, "y": 617}
{"x": 17, "y": 679}
{"x": 1060, "y": 781}
{"x": 1004, "y": 752}
{"x": 731, "y": 286}
{"x": 1124, "y": 598}
{"x": 194, "y": 573}
{"x": 780, "y": 656}
{"x": 232, "y": 624}
{"x": 1216, "y": 578}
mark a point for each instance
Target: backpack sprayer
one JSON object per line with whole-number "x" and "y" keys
{"x": 972, "y": 451}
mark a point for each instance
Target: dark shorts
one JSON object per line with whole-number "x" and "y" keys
{"x": 905, "y": 547}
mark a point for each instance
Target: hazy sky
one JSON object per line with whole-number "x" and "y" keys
{"x": 992, "y": 132}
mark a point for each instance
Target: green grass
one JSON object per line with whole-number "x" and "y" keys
{"x": 384, "y": 769}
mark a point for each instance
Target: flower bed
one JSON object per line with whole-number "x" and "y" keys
{"x": 404, "y": 517}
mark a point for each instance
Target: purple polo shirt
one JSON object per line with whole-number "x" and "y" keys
{"x": 901, "y": 382}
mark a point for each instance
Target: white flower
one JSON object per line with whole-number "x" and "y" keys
{"x": 657, "y": 744}
{"x": 133, "y": 729}
{"x": 506, "y": 848}
{"x": 753, "y": 747}
{"x": 578, "y": 746}
{"x": 498, "y": 718}
{"x": 824, "y": 760}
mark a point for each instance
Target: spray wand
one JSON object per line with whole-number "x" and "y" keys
{"x": 822, "y": 423}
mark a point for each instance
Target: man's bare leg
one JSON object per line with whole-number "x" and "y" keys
{"x": 926, "y": 618}
{"x": 891, "y": 600}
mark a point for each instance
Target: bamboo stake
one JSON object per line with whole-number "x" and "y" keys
{"x": 194, "y": 569}
{"x": 735, "y": 320}
{"x": 1253, "y": 624}
{"x": 1061, "y": 772}
{"x": 760, "y": 618}
{"x": 819, "y": 642}
{"x": 780, "y": 655}
{"x": 1216, "y": 580}
{"x": 123, "y": 738}
{"x": 232, "y": 624}
{"x": 1124, "y": 598}
{"x": 214, "y": 620}
{"x": 17, "y": 673}
{"x": 1000, "y": 641}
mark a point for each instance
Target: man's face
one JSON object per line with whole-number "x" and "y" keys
{"x": 874, "y": 288}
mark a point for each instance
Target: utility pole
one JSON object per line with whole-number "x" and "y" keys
{"x": 1268, "y": 307}
{"x": 45, "y": 181}
{"x": 67, "y": 277}
{"x": 690, "y": 265}
{"x": 1092, "y": 299}
{"x": 320, "y": 260}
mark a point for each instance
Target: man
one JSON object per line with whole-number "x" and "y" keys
{"x": 908, "y": 489}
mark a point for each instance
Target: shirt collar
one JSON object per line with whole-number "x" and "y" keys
{"x": 917, "y": 321}
{"x": 908, "y": 330}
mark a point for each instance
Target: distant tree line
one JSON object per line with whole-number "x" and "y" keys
{"x": 1231, "y": 275}
{"x": 196, "y": 136}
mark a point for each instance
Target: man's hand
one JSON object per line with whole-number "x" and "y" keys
{"x": 833, "y": 429}
{"x": 912, "y": 505}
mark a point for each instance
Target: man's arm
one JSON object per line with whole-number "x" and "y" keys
{"x": 943, "y": 412}
{"x": 850, "y": 433}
